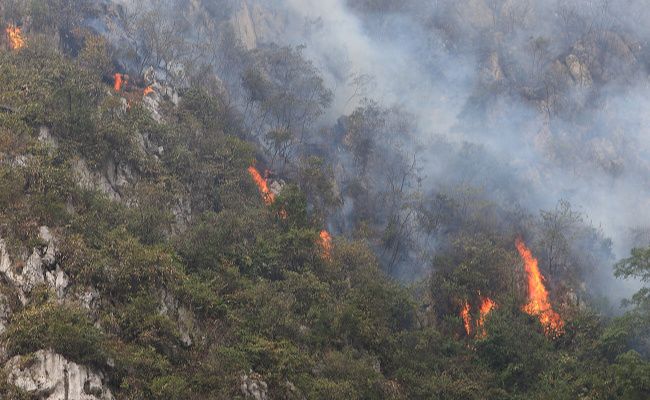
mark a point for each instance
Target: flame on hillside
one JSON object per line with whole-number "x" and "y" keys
{"x": 537, "y": 295}
{"x": 261, "y": 184}
{"x": 467, "y": 319}
{"x": 268, "y": 197}
{"x": 326, "y": 242}
{"x": 486, "y": 306}
{"x": 147, "y": 90}
{"x": 119, "y": 81}
{"x": 16, "y": 41}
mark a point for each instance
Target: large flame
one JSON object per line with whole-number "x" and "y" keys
{"x": 261, "y": 184}
{"x": 147, "y": 90}
{"x": 16, "y": 41}
{"x": 119, "y": 81}
{"x": 537, "y": 295}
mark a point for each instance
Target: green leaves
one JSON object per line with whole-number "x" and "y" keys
{"x": 65, "y": 329}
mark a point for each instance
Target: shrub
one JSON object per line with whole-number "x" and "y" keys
{"x": 65, "y": 329}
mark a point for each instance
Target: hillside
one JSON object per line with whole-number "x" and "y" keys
{"x": 217, "y": 201}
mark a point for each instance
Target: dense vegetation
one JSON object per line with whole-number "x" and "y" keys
{"x": 199, "y": 282}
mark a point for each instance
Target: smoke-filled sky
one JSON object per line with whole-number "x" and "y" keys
{"x": 433, "y": 58}
{"x": 414, "y": 69}
{"x": 549, "y": 95}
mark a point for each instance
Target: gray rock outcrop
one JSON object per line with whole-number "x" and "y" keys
{"x": 52, "y": 377}
{"x": 41, "y": 266}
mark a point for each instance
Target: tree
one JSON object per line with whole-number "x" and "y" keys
{"x": 636, "y": 266}
{"x": 363, "y": 128}
{"x": 636, "y": 322}
{"x": 94, "y": 53}
{"x": 316, "y": 179}
{"x": 558, "y": 229}
{"x": 284, "y": 93}
{"x": 162, "y": 36}
{"x": 59, "y": 19}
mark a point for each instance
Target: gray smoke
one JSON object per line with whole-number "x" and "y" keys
{"x": 527, "y": 101}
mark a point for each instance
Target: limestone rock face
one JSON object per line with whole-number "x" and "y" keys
{"x": 186, "y": 323}
{"x": 258, "y": 22}
{"x": 5, "y": 312}
{"x": 53, "y": 377}
{"x": 40, "y": 267}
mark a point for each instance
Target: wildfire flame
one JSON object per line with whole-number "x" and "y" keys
{"x": 14, "y": 35}
{"x": 119, "y": 81}
{"x": 326, "y": 242}
{"x": 147, "y": 90}
{"x": 261, "y": 184}
{"x": 325, "y": 238}
{"x": 537, "y": 294}
{"x": 466, "y": 317}
{"x": 486, "y": 306}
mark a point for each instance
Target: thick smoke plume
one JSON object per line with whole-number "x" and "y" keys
{"x": 526, "y": 104}
{"x": 550, "y": 96}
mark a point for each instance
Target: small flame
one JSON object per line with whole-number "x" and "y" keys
{"x": 537, "y": 294}
{"x": 261, "y": 184}
{"x": 119, "y": 81}
{"x": 486, "y": 307}
{"x": 14, "y": 35}
{"x": 464, "y": 313}
{"x": 147, "y": 90}
{"x": 326, "y": 242}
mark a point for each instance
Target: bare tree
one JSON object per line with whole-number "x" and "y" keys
{"x": 558, "y": 229}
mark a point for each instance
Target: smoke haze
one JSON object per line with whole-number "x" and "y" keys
{"x": 529, "y": 102}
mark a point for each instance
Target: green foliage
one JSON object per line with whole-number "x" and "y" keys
{"x": 64, "y": 329}
{"x": 477, "y": 267}
{"x": 316, "y": 179}
{"x": 515, "y": 347}
{"x": 633, "y": 375}
{"x": 132, "y": 267}
{"x": 172, "y": 387}
{"x": 260, "y": 291}
{"x": 94, "y": 53}
{"x": 202, "y": 296}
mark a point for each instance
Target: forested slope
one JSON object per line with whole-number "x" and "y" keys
{"x": 140, "y": 259}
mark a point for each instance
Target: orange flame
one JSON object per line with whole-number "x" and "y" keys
{"x": 466, "y": 317}
{"x": 326, "y": 242}
{"x": 119, "y": 81}
{"x": 537, "y": 294}
{"x": 261, "y": 184}
{"x": 147, "y": 90}
{"x": 486, "y": 307}
{"x": 14, "y": 35}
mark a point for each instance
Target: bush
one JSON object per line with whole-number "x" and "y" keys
{"x": 65, "y": 329}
